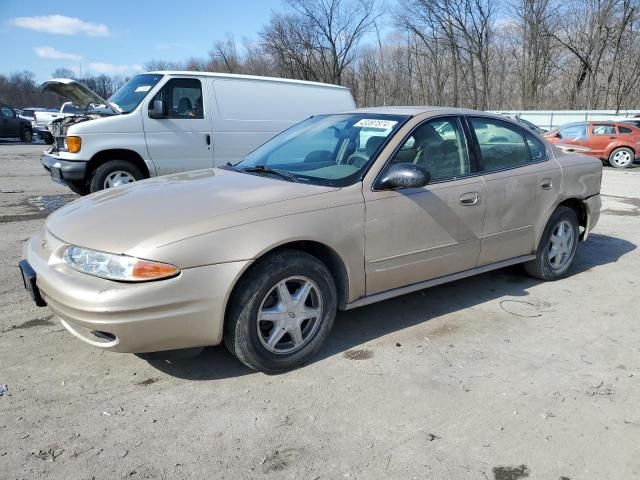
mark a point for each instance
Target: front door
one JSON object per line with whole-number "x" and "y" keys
{"x": 9, "y": 123}
{"x": 521, "y": 182}
{"x": 418, "y": 234}
{"x": 183, "y": 140}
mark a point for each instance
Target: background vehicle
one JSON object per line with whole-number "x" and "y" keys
{"x": 43, "y": 118}
{"x": 13, "y": 126}
{"x": 326, "y": 215}
{"x": 615, "y": 142}
{"x": 167, "y": 122}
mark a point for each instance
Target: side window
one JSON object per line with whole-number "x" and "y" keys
{"x": 183, "y": 97}
{"x": 7, "y": 112}
{"x": 537, "y": 148}
{"x": 438, "y": 146}
{"x": 603, "y": 129}
{"x": 501, "y": 144}
{"x": 574, "y": 132}
{"x": 622, "y": 129}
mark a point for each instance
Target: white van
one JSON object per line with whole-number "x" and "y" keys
{"x": 166, "y": 122}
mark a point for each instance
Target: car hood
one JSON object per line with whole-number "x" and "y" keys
{"x": 152, "y": 213}
{"x": 78, "y": 93}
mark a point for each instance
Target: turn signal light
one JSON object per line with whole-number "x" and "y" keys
{"x": 73, "y": 144}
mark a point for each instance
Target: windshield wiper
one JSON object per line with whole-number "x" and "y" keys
{"x": 262, "y": 169}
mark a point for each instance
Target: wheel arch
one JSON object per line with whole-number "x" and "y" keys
{"x": 322, "y": 252}
{"x": 615, "y": 146}
{"x": 104, "y": 156}
{"x": 581, "y": 211}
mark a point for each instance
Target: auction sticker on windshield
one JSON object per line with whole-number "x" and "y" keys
{"x": 375, "y": 123}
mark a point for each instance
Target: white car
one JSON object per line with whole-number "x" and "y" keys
{"x": 169, "y": 121}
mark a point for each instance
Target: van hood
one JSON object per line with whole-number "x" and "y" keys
{"x": 78, "y": 93}
{"x": 149, "y": 214}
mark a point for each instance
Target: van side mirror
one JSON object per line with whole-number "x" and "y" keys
{"x": 158, "y": 109}
{"x": 404, "y": 175}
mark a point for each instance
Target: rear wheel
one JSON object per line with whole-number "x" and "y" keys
{"x": 114, "y": 174}
{"x": 557, "y": 247}
{"x": 281, "y": 312}
{"x": 26, "y": 135}
{"x": 621, "y": 157}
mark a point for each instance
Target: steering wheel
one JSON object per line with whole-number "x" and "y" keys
{"x": 357, "y": 159}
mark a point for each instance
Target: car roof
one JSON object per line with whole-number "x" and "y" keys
{"x": 419, "y": 110}
{"x": 246, "y": 77}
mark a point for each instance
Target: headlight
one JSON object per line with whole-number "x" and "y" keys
{"x": 73, "y": 144}
{"x": 116, "y": 267}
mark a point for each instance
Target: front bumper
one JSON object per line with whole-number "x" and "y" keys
{"x": 181, "y": 312}
{"x": 62, "y": 170}
{"x": 593, "y": 204}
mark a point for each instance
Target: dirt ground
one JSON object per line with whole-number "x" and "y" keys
{"x": 496, "y": 377}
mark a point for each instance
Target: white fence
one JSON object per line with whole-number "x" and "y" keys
{"x": 550, "y": 119}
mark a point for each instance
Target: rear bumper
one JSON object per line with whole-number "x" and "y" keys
{"x": 181, "y": 312}
{"x": 68, "y": 170}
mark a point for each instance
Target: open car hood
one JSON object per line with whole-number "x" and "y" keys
{"x": 76, "y": 92}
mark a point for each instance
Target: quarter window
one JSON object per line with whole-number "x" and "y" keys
{"x": 502, "y": 144}
{"x": 438, "y": 146}
{"x": 622, "y": 129}
{"x": 183, "y": 97}
{"x": 536, "y": 147}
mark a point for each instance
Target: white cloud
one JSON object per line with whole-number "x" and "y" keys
{"x": 52, "y": 53}
{"x": 111, "y": 69}
{"x": 62, "y": 25}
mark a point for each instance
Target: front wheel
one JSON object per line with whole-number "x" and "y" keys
{"x": 78, "y": 186}
{"x": 621, "y": 157}
{"x": 114, "y": 174}
{"x": 557, "y": 247}
{"x": 26, "y": 135}
{"x": 281, "y": 312}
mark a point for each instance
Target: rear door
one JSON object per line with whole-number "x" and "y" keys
{"x": 9, "y": 124}
{"x": 521, "y": 182}
{"x": 600, "y": 136}
{"x": 182, "y": 141}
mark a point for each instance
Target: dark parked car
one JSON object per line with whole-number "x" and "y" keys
{"x": 13, "y": 126}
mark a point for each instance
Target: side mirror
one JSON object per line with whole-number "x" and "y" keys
{"x": 158, "y": 109}
{"x": 557, "y": 135}
{"x": 404, "y": 175}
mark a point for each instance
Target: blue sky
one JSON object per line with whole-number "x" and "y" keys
{"x": 117, "y": 36}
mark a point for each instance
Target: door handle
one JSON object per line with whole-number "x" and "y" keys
{"x": 208, "y": 139}
{"x": 469, "y": 199}
{"x": 546, "y": 184}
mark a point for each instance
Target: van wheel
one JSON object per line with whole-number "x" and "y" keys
{"x": 281, "y": 312}
{"x": 114, "y": 174}
{"x": 557, "y": 247}
{"x": 26, "y": 135}
{"x": 621, "y": 158}
{"x": 78, "y": 186}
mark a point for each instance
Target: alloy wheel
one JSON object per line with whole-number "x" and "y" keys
{"x": 561, "y": 245}
{"x": 117, "y": 178}
{"x": 621, "y": 158}
{"x": 289, "y": 315}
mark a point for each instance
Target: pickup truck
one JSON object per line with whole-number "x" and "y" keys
{"x": 42, "y": 119}
{"x": 13, "y": 126}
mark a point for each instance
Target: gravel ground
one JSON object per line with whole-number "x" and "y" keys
{"x": 494, "y": 377}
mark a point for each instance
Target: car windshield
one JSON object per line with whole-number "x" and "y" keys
{"x": 332, "y": 150}
{"x": 129, "y": 96}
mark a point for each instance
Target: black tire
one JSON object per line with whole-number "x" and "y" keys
{"x": 626, "y": 160}
{"x": 241, "y": 328}
{"x": 78, "y": 186}
{"x": 48, "y": 138}
{"x": 542, "y": 267}
{"x": 26, "y": 135}
{"x": 100, "y": 174}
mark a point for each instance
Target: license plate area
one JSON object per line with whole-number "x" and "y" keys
{"x": 29, "y": 281}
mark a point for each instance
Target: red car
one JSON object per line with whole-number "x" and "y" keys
{"x": 615, "y": 142}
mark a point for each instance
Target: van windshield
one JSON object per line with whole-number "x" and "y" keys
{"x": 331, "y": 150}
{"x": 129, "y": 96}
